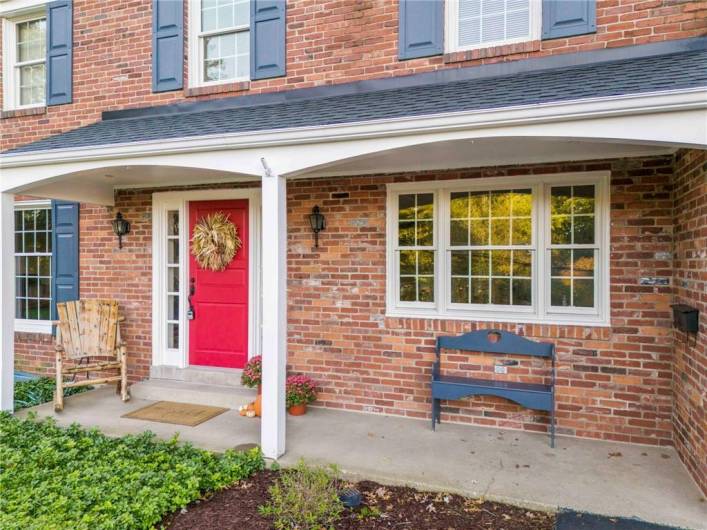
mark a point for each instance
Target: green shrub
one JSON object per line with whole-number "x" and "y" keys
{"x": 37, "y": 391}
{"x": 54, "y": 478}
{"x": 304, "y": 498}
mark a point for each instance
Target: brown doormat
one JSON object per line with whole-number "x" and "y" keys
{"x": 176, "y": 413}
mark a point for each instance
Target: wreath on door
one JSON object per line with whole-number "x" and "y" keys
{"x": 215, "y": 241}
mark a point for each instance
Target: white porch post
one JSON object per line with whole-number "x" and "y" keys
{"x": 274, "y": 342}
{"x": 7, "y": 300}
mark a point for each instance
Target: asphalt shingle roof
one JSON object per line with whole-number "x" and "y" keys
{"x": 620, "y": 77}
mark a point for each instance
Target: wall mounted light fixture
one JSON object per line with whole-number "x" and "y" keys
{"x": 121, "y": 227}
{"x": 316, "y": 221}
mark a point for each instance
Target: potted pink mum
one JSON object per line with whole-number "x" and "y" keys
{"x": 300, "y": 390}
{"x": 252, "y": 375}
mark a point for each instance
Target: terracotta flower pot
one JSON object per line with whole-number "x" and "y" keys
{"x": 298, "y": 410}
{"x": 260, "y": 390}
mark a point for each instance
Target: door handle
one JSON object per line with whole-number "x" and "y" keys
{"x": 191, "y": 314}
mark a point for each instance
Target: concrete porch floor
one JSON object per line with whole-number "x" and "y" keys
{"x": 600, "y": 477}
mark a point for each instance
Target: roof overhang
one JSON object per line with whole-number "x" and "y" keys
{"x": 667, "y": 119}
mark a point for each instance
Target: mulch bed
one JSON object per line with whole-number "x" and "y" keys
{"x": 398, "y": 507}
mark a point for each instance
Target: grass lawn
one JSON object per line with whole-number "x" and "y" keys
{"x": 55, "y": 478}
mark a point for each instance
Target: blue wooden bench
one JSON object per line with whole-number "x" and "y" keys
{"x": 530, "y": 395}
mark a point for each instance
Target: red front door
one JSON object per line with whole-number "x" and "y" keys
{"x": 218, "y": 333}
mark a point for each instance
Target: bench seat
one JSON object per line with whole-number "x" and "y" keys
{"x": 530, "y": 395}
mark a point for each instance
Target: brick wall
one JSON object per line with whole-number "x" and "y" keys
{"x": 690, "y": 368}
{"x": 613, "y": 383}
{"x": 328, "y": 42}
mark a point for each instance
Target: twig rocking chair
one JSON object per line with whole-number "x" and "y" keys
{"x": 85, "y": 329}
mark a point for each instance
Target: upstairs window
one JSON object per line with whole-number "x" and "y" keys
{"x": 219, "y": 41}
{"x": 473, "y": 24}
{"x": 25, "y": 69}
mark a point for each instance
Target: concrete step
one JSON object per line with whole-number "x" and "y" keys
{"x": 230, "y": 397}
{"x": 198, "y": 374}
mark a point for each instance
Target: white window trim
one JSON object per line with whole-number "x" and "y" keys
{"x": 22, "y": 324}
{"x": 10, "y": 88}
{"x": 540, "y": 312}
{"x": 163, "y": 202}
{"x": 196, "y": 50}
{"x": 452, "y": 28}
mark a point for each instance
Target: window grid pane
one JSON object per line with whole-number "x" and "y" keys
{"x": 487, "y": 21}
{"x": 29, "y": 69}
{"x": 173, "y": 291}
{"x": 416, "y": 265}
{"x": 573, "y": 254}
{"x": 485, "y": 229}
{"x": 33, "y": 258}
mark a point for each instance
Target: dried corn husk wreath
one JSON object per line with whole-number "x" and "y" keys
{"x": 215, "y": 241}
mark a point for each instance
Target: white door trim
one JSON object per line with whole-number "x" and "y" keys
{"x": 163, "y": 202}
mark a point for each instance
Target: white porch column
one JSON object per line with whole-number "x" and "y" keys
{"x": 274, "y": 342}
{"x": 7, "y": 300}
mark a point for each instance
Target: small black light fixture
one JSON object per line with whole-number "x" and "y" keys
{"x": 316, "y": 221}
{"x": 120, "y": 228}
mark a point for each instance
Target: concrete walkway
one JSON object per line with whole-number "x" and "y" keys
{"x": 600, "y": 477}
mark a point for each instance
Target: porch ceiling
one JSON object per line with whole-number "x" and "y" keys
{"x": 98, "y": 185}
{"x": 484, "y": 152}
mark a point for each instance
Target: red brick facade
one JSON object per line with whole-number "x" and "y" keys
{"x": 690, "y": 368}
{"x": 613, "y": 383}
{"x": 327, "y": 42}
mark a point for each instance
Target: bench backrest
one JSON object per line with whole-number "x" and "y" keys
{"x": 495, "y": 341}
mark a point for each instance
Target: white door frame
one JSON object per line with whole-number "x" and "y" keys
{"x": 163, "y": 202}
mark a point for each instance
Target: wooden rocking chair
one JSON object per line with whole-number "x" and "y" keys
{"x": 89, "y": 328}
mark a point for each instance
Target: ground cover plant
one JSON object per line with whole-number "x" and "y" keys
{"x": 34, "y": 392}
{"x": 51, "y": 477}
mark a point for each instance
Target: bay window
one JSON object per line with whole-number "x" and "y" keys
{"x": 529, "y": 248}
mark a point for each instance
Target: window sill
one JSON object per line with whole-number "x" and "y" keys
{"x": 16, "y": 113}
{"x": 570, "y": 321}
{"x": 492, "y": 51}
{"x": 239, "y": 86}
{"x": 33, "y": 326}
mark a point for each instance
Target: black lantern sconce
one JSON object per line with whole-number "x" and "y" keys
{"x": 120, "y": 228}
{"x": 316, "y": 221}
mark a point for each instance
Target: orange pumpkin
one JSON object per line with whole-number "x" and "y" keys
{"x": 257, "y": 405}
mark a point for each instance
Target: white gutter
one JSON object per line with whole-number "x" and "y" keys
{"x": 627, "y": 105}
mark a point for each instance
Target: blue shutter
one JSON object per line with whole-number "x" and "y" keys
{"x": 566, "y": 18}
{"x": 167, "y": 45}
{"x": 421, "y": 28}
{"x": 267, "y": 39}
{"x": 65, "y": 252}
{"x": 59, "y": 52}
